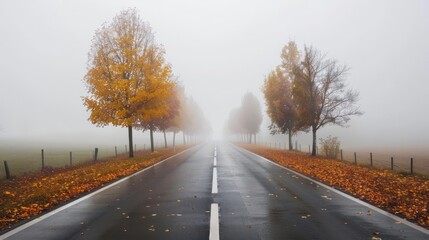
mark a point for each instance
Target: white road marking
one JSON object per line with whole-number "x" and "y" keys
{"x": 214, "y": 222}
{"x": 51, "y": 213}
{"x": 214, "y": 162}
{"x": 381, "y": 211}
{"x": 214, "y": 182}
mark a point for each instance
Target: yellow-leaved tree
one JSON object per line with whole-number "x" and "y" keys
{"x": 128, "y": 80}
{"x": 277, "y": 89}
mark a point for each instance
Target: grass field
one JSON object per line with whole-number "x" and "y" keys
{"x": 29, "y": 159}
{"x": 401, "y": 161}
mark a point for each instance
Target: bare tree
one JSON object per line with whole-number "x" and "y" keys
{"x": 320, "y": 92}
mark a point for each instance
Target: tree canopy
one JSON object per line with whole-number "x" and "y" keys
{"x": 321, "y": 94}
{"x": 277, "y": 90}
{"x": 128, "y": 80}
{"x": 247, "y": 118}
{"x": 308, "y": 91}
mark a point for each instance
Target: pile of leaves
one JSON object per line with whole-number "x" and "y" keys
{"x": 27, "y": 196}
{"x": 404, "y": 195}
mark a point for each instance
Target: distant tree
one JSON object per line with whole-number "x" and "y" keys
{"x": 234, "y": 124}
{"x": 165, "y": 121}
{"x": 277, "y": 89}
{"x": 320, "y": 93}
{"x": 177, "y": 121}
{"x": 281, "y": 108}
{"x": 195, "y": 123}
{"x": 127, "y": 79}
{"x": 250, "y": 115}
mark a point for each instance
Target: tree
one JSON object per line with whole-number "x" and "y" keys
{"x": 159, "y": 91}
{"x": 177, "y": 122}
{"x": 320, "y": 93}
{"x": 171, "y": 121}
{"x": 250, "y": 115}
{"x": 164, "y": 121}
{"x": 234, "y": 125}
{"x": 194, "y": 122}
{"x": 127, "y": 79}
{"x": 277, "y": 89}
{"x": 281, "y": 107}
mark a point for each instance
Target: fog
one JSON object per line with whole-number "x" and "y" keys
{"x": 220, "y": 49}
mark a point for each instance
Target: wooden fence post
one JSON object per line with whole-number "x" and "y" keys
{"x": 412, "y": 163}
{"x": 355, "y": 159}
{"x": 43, "y": 159}
{"x": 391, "y": 163}
{"x": 370, "y": 157}
{"x": 95, "y": 154}
{"x": 6, "y": 168}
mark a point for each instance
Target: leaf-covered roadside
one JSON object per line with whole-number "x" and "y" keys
{"x": 27, "y": 196}
{"x": 405, "y": 196}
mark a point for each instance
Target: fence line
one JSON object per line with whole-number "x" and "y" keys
{"x": 410, "y": 165}
{"x": 21, "y": 162}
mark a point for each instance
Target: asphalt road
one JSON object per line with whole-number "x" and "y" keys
{"x": 179, "y": 198}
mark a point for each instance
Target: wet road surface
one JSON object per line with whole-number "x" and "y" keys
{"x": 255, "y": 200}
{"x": 260, "y": 200}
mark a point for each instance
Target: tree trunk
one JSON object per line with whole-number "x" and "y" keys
{"x": 255, "y": 138}
{"x": 184, "y": 138}
{"x": 152, "y": 148}
{"x": 174, "y": 141}
{"x": 290, "y": 140}
{"x": 130, "y": 141}
{"x": 313, "y": 153}
{"x": 165, "y": 139}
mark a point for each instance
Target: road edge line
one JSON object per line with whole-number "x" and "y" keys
{"x": 379, "y": 210}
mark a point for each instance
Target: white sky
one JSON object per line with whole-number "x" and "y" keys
{"x": 220, "y": 49}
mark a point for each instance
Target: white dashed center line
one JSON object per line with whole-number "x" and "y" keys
{"x": 214, "y": 182}
{"x": 214, "y": 210}
{"x": 214, "y": 222}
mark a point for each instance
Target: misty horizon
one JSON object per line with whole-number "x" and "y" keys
{"x": 219, "y": 50}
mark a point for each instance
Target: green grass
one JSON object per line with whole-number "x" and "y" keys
{"x": 29, "y": 159}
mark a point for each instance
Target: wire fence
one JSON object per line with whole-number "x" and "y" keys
{"x": 412, "y": 164}
{"x": 16, "y": 162}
